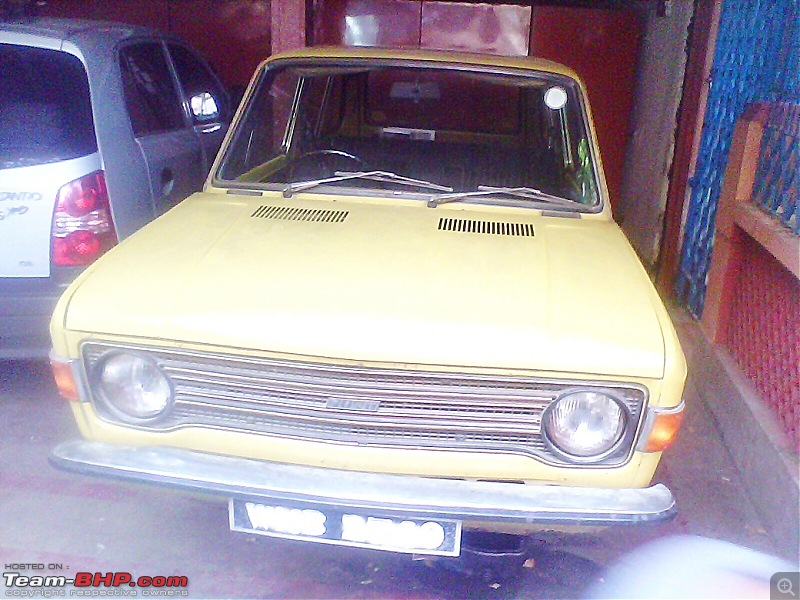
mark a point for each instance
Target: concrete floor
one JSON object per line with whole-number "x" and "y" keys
{"x": 71, "y": 523}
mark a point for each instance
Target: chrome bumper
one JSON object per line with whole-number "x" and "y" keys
{"x": 401, "y": 495}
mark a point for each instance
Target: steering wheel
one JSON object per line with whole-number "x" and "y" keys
{"x": 325, "y": 163}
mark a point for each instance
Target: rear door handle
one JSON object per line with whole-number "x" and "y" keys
{"x": 167, "y": 181}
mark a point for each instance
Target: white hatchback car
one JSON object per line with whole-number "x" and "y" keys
{"x": 105, "y": 126}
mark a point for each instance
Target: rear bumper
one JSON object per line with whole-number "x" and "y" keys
{"x": 26, "y": 306}
{"x": 486, "y": 503}
{"x": 24, "y": 323}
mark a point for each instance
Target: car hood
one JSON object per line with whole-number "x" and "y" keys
{"x": 364, "y": 281}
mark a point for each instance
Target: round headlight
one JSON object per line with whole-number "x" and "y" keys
{"x": 134, "y": 386}
{"x": 584, "y": 424}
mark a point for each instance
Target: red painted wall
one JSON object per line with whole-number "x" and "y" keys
{"x": 233, "y": 35}
{"x": 602, "y": 46}
{"x": 763, "y": 331}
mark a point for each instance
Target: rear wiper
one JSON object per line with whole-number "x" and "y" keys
{"x": 527, "y": 193}
{"x": 383, "y": 176}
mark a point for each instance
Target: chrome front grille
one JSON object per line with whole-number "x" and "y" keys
{"x": 362, "y": 405}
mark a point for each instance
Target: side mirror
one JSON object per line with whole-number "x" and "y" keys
{"x": 204, "y": 107}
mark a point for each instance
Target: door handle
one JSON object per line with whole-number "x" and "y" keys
{"x": 167, "y": 181}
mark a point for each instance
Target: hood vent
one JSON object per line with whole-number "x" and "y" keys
{"x": 488, "y": 227}
{"x": 283, "y": 213}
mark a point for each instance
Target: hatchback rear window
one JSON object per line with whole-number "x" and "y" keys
{"x": 45, "y": 107}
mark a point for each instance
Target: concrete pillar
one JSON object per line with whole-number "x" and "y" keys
{"x": 288, "y": 25}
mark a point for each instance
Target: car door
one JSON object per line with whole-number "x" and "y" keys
{"x": 168, "y": 142}
{"x": 205, "y": 99}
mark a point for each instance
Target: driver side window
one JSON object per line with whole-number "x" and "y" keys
{"x": 207, "y": 100}
{"x": 319, "y": 113}
{"x": 150, "y": 94}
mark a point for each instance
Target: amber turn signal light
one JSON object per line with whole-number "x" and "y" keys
{"x": 65, "y": 381}
{"x": 664, "y": 425}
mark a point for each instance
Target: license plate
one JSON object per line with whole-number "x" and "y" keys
{"x": 328, "y": 525}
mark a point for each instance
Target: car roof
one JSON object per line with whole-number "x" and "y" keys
{"x": 417, "y": 54}
{"x": 77, "y": 31}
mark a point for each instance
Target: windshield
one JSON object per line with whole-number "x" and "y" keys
{"x": 442, "y": 127}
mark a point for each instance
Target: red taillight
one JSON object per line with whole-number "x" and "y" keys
{"x": 82, "y": 224}
{"x": 77, "y": 248}
{"x": 78, "y": 200}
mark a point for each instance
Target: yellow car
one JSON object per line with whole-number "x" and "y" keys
{"x": 399, "y": 311}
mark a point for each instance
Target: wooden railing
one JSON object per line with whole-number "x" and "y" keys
{"x": 752, "y": 308}
{"x": 738, "y": 215}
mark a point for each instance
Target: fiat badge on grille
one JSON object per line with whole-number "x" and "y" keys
{"x": 350, "y": 404}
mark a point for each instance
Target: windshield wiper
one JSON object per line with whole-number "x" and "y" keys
{"x": 527, "y": 193}
{"x": 382, "y": 176}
